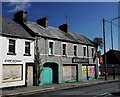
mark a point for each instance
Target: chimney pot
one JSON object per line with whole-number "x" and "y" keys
{"x": 43, "y": 22}
{"x": 20, "y": 16}
{"x": 64, "y": 27}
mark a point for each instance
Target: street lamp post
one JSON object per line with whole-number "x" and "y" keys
{"x": 111, "y": 31}
{"x": 105, "y": 59}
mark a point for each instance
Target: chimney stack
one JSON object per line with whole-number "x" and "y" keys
{"x": 20, "y": 16}
{"x": 64, "y": 27}
{"x": 43, "y": 22}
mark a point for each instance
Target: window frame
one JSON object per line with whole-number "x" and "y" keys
{"x": 11, "y": 47}
{"x": 65, "y": 49}
{"x": 75, "y": 51}
{"x": 84, "y": 51}
{"x": 92, "y": 51}
{"x": 51, "y": 41}
{"x": 28, "y": 46}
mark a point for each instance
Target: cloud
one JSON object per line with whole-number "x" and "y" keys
{"x": 17, "y": 6}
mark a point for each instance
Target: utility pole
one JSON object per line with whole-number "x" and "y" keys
{"x": 88, "y": 63}
{"x": 111, "y": 31}
{"x": 111, "y": 34}
{"x": 104, "y": 49}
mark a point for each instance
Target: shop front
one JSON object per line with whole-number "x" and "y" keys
{"x": 87, "y": 71}
{"x": 13, "y": 72}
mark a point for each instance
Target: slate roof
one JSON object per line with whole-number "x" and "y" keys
{"x": 112, "y": 56}
{"x": 13, "y": 29}
{"x": 55, "y": 33}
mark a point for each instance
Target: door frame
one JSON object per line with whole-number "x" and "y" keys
{"x": 52, "y": 65}
{"x": 26, "y": 72}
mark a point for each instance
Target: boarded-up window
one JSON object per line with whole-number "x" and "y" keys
{"x": 12, "y": 73}
{"x": 69, "y": 73}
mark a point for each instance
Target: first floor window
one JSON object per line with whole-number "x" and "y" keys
{"x": 27, "y": 48}
{"x": 92, "y": 52}
{"x": 75, "y": 50}
{"x": 11, "y": 46}
{"x": 64, "y": 49}
{"x": 50, "y": 48}
{"x": 84, "y": 51}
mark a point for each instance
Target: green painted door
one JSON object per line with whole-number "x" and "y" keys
{"x": 47, "y": 77}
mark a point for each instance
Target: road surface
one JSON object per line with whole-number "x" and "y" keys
{"x": 102, "y": 90}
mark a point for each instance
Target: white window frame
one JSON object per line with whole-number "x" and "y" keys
{"x": 53, "y": 47}
{"x": 15, "y": 45}
{"x": 76, "y": 50}
{"x": 62, "y": 48}
{"x": 83, "y": 51}
{"x": 29, "y": 48}
{"x": 93, "y": 51}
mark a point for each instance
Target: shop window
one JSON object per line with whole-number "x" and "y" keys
{"x": 12, "y": 72}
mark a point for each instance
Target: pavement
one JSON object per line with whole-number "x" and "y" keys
{"x": 18, "y": 91}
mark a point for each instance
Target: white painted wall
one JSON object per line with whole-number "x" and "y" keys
{"x": 0, "y": 63}
{"x": 20, "y": 51}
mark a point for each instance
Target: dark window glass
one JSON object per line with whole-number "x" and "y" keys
{"x": 92, "y": 52}
{"x": 75, "y": 50}
{"x": 84, "y": 51}
{"x": 64, "y": 49}
{"x": 27, "y": 48}
{"x": 12, "y": 46}
{"x": 50, "y": 48}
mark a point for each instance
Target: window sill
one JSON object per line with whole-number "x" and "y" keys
{"x": 75, "y": 55}
{"x": 64, "y": 55}
{"x": 27, "y": 55}
{"x": 11, "y": 53}
{"x": 51, "y": 55}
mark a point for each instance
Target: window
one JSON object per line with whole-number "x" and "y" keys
{"x": 50, "y": 48}
{"x": 64, "y": 49}
{"x": 11, "y": 46}
{"x": 92, "y": 52}
{"x": 84, "y": 51}
{"x": 27, "y": 48}
{"x": 75, "y": 50}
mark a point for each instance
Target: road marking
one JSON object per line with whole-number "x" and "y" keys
{"x": 104, "y": 93}
{"x": 107, "y": 95}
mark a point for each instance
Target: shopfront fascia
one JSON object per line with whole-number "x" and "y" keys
{"x": 80, "y": 60}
